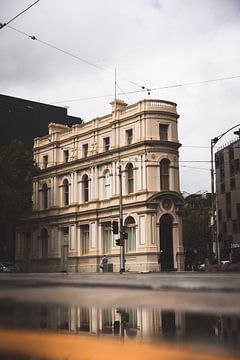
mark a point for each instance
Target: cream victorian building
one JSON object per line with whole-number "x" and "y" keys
{"x": 76, "y": 193}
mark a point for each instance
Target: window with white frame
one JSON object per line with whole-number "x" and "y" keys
{"x": 45, "y": 196}
{"x": 65, "y": 156}
{"x": 84, "y": 239}
{"x": 164, "y": 174}
{"x": 163, "y": 131}
{"x": 129, "y": 178}
{"x": 107, "y": 184}
{"x": 106, "y": 238}
{"x": 106, "y": 143}
{"x": 129, "y": 136}
{"x": 85, "y": 188}
{"x": 130, "y": 227}
{"x": 65, "y": 192}
{"x": 45, "y": 161}
{"x": 85, "y": 150}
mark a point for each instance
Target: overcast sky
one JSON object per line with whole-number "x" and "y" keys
{"x": 154, "y": 43}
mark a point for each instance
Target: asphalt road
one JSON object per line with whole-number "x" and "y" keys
{"x": 213, "y": 292}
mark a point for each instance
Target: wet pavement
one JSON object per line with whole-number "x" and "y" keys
{"x": 159, "y": 311}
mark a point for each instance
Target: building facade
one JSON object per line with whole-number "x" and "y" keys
{"x": 76, "y": 193}
{"x": 228, "y": 198}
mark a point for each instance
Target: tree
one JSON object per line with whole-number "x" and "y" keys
{"x": 16, "y": 171}
{"x": 196, "y": 215}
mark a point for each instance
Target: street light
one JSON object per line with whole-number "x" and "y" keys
{"x": 214, "y": 222}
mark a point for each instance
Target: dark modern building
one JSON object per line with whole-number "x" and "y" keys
{"x": 228, "y": 198}
{"x": 24, "y": 120}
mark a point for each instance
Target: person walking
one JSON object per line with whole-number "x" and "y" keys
{"x": 104, "y": 264}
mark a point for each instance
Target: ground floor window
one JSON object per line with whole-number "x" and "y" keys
{"x": 106, "y": 238}
{"x": 131, "y": 232}
{"x": 85, "y": 239}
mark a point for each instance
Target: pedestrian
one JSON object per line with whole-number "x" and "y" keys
{"x": 104, "y": 263}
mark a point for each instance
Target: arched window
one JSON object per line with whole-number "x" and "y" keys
{"x": 45, "y": 196}
{"x": 130, "y": 180}
{"x": 85, "y": 188}
{"x": 164, "y": 174}
{"x": 65, "y": 192}
{"x": 44, "y": 238}
{"x": 131, "y": 231}
{"x": 107, "y": 184}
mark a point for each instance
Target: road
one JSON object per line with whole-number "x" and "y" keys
{"x": 205, "y": 292}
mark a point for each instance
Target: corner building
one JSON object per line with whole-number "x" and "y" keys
{"x": 76, "y": 193}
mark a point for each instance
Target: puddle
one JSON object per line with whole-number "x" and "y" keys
{"x": 21, "y": 322}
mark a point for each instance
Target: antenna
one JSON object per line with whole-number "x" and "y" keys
{"x": 115, "y": 87}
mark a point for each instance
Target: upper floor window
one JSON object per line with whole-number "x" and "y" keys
{"x": 85, "y": 150}
{"x": 106, "y": 143}
{"x": 65, "y": 155}
{"x": 129, "y": 136}
{"x": 163, "y": 131}
{"x": 45, "y": 196}
{"x": 107, "y": 184}
{"x": 164, "y": 174}
{"x": 45, "y": 161}
{"x": 130, "y": 180}
{"x": 65, "y": 189}
{"x": 85, "y": 188}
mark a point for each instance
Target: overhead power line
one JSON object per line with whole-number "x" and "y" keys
{"x": 153, "y": 89}
{"x": 33, "y": 37}
{"x": 5, "y": 24}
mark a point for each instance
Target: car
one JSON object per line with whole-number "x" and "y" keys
{"x": 224, "y": 262}
{"x": 7, "y": 267}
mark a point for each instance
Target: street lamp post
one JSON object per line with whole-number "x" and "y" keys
{"x": 214, "y": 220}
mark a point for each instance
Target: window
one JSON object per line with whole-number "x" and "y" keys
{"x": 106, "y": 143}
{"x": 107, "y": 185}
{"x": 44, "y": 237}
{"x": 106, "y": 238}
{"x": 66, "y": 156}
{"x": 85, "y": 239}
{"x": 234, "y": 226}
{"x": 164, "y": 174}
{"x": 45, "y": 196}
{"x": 129, "y": 171}
{"x": 45, "y": 161}
{"x": 85, "y": 150}
{"x": 163, "y": 132}
{"x": 85, "y": 188}
{"x": 65, "y": 190}
{"x": 228, "y": 205}
{"x": 129, "y": 136}
{"x": 222, "y": 187}
{"x": 219, "y": 214}
{"x": 232, "y": 183}
{"x": 131, "y": 231}
{"x": 224, "y": 227}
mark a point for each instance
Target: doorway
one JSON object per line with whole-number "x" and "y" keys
{"x": 166, "y": 242}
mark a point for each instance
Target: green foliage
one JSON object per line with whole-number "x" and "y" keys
{"x": 16, "y": 171}
{"x": 196, "y": 215}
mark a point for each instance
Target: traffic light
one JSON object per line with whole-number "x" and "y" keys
{"x": 115, "y": 227}
{"x": 118, "y": 242}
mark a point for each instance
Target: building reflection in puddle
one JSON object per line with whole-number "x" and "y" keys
{"x": 130, "y": 324}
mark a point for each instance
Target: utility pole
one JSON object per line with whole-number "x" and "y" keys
{"x": 122, "y": 240}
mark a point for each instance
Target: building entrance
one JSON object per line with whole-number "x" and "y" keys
{"x": 166, "y": 243}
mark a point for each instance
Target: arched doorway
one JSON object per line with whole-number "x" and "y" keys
{"x": 166, "y": 243}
